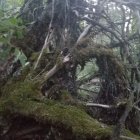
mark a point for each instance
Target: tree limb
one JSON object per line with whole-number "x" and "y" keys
{"x": 93, "y": 22}
{"x": 84, "y": 33}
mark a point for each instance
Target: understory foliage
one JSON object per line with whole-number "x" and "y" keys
{"x": 66, "y": 64}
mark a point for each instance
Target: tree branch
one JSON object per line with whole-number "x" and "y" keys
{"x": 84, "y": 33}
{"x": 93, "y": 22}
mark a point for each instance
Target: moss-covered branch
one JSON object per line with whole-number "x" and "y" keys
{"x": 25, "y": 101}
{"x": 70, "y": 118}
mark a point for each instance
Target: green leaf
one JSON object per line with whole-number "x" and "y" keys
{"x": 20, "y": 56}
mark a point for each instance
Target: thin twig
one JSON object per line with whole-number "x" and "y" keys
{"x": 50, "y": 32}
{"x": 99, "y": 105}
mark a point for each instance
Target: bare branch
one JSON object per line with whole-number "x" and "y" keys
{"x": 106, "y": 106}
{"x": 127, "y": 138}
{"x": 57, "y": 66}
{"x": 99, "y": 105}
{"x": 84, "y": 33}
{"x": 137, "y": 108}
{"x": 121, "y": 123}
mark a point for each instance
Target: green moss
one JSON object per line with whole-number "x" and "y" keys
{"x": 34, "y": 56}
{"x": 27, "y": 90}
{"x": 15, "y": 82}
{"x": 65, "y": 96}
{"x": 68, "y": 117}
{"x": 71, "y": 118}
{"x": 130, "y": 134}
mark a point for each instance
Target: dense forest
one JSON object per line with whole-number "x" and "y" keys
{"x": 69, "y": 69}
